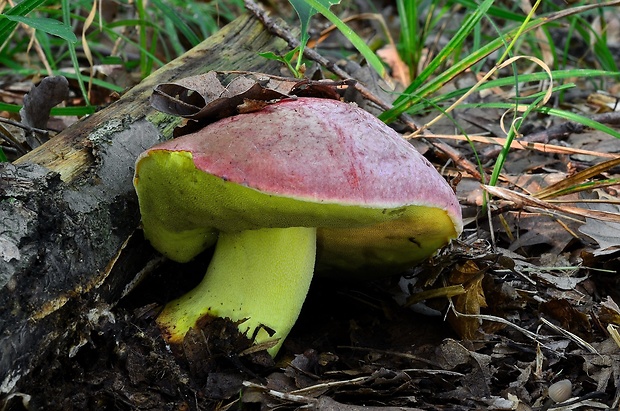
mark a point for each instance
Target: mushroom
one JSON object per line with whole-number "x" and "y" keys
{"x": 276, "y": 187}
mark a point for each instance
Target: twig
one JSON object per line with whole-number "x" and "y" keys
{"x": 535, "y": 337}
{"x": 393, "y": 353}
{"x": 13, "y": 141}
{"x": 456, "y": 157}
{"x": 300, "y": 399}
{"x": 570, "y": 127}
{"x": 29, "y": 129}
{"x": 577, "y": 340}
{"x": 293, "y": 42}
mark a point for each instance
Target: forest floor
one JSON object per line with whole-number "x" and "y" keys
{"x": 539, "y": 306}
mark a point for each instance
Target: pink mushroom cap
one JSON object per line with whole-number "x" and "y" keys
{"x": 307, "y": 162}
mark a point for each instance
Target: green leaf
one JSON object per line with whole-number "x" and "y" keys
{"x": 286, "y": 59}
{"x": 21, "y": 9}
{"x": 360, "y": 45}
{"x": 305, "y": 12}
{"x": 46, "y": 25}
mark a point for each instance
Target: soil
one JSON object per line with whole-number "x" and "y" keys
{"x": 353, "y": 346}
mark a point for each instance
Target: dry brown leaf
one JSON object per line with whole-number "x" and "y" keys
{"x": 569, "y": 317}
{"x": 390, "y": 56}
{"x": 609, "y": 312}
{"x": 605, "y": 233}
{"x": 213, "y": 95}
{"x": 565, "y": 283}
{"x": 209, "y": 97}
{"x": 577, "y": 178}
{"x": 470, "y": 302}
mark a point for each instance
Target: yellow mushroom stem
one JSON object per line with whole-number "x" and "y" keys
{"x": 261, "y": 276}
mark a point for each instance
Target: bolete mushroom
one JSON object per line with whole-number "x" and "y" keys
{"x": 270, "y": 186}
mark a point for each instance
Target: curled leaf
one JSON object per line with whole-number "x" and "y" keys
{"x": 209, "y": 97}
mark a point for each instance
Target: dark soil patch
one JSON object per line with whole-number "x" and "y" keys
{"x": 352, "y": 346}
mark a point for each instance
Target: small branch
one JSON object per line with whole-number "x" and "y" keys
{"x": 563, "y": 130}
{"x": 29, "y": 129}
{"x": 13, "y": 141}
{"x": 313, "y": 55}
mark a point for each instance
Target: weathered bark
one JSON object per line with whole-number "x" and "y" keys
{"x": 68, "y": 208}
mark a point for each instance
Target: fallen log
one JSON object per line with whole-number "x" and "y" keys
{"x": 68, "y": 208}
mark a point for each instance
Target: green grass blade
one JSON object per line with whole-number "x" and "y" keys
{"x": 56, "y": 111}
{"x": 493, "y": 11}
{"x": 523, "y": 78}
{"x": 179, "y": 24}
{"x": 420, "y": 87}
{"x": 146, "y": 63}
{"x": 77, "y": 111}
{"x": 409, "y": 43}
{"x": 416, "y": 91}
{"x": 503, "y": 154}
{"x": 66, "y": 17}
{"x": 358, "y": 43}
{"x": 577, "y": 118}
{"x": 47, "y": 25}
{"x": 133, "y": 22}
{"x": 585, "y": 186}
{"x": 20, "y": 9}
{"x": 567, "y": 115}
